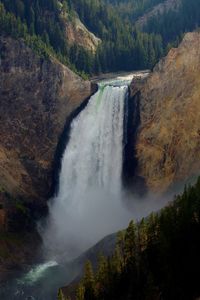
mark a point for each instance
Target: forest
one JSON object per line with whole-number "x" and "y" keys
{"x": 133, "y": 9}
{"x": 124, "y": 46}
{"x": 156, "y": 258}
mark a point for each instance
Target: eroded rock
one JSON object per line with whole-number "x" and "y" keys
{"x": 168, "y": 141}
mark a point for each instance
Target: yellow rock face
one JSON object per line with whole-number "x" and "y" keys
{"x": 168, "y": 144}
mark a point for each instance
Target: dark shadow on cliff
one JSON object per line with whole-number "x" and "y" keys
{"x": 132, "y": 182}
{"x": 63, "y": 140}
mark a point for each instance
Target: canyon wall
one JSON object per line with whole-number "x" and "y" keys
{"x": 36, "y": 97}
{"x": 168, "y": 139}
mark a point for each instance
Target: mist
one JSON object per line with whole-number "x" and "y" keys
{"x": 91, "y": 202}
{"x": 85, "y": 222}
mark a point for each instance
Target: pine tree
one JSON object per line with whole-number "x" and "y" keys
{"x": 61, "y": 296}
{"x": 130, "y": 242}
{"x": 120, "y": 244}
{"x": 80, "y": 292}
{"x": 88, "y": 281}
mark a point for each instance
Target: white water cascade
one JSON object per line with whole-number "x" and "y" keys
{"x": 89, "y": 202}
{"x": 93, "y": 157}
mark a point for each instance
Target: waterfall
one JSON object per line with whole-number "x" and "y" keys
{"x": 93, "y": 157}
{"x": 88, "y": 204}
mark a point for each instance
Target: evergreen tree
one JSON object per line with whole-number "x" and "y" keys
{"x": 129, "y": 242}
{"x": 158, "y": 257}
{"x": 88, "y": 281}
{"x": 80, "y": 293}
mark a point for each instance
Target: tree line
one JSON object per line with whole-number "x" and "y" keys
{"x": 172, "y": 25}
{"x": 156, "y": 258}
{"x": 133, "y": 9}
{"x": 123, "y": 46}
{"x": 39, "y": 24}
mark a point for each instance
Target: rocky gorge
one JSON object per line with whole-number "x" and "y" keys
{"x": 40, "y": 96}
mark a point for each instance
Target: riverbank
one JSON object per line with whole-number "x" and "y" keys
{"x": 131, "y": 74}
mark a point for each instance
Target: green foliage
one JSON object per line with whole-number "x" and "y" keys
{"x": 10, "y": 25}
{"x": 88, "y": 281}
{"x": 158, "y": 258}
{"x": 133, "y": 9}
{"x": 80, "y": 293}
{"x": 61, "y": 296}
{"x": 173, "y": 24}
{"x": 41, "y": 24}
{"x": 44, "y": 35}
{"x": 123, "y": 47}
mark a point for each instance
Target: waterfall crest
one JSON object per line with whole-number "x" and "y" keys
{"x": 88, "y": 204}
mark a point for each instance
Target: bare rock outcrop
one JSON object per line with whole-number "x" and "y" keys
{"x": 77, "y": 33}
{"x": 168, "y": 140}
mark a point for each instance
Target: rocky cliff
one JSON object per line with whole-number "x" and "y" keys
{"x": 168, "y": 138}
{"x": 36, "y": 98}
{"x": 78, "y": 34}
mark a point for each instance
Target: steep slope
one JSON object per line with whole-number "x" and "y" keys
{"x": 53, "y": 26}
{"x": 134, "y": 9}
{"x": 158, "y": 9}
{"x": 37, "y": 97}
{"x": 168, "y": 140}
{"x": 78, "y": 34}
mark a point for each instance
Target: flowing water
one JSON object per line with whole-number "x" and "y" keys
{"x": 88, "y": 205}
{"x": 93, "y": 157}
